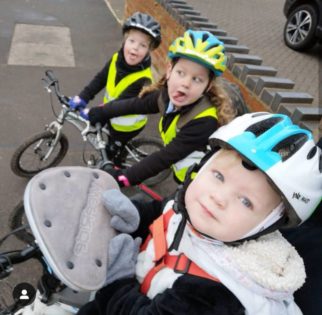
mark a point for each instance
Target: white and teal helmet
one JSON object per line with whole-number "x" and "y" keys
{"x": 286, "y": 153}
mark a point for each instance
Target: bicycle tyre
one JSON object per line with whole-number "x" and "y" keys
{"x": 25, "y": 170}
{"x": 17, "y": 219}
{"x": 143, "y": 147}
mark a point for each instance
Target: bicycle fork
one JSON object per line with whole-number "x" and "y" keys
{"x": 55, "y": 128}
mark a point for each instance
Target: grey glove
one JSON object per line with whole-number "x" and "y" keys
{"x": 125, "y": 216}
{"x": 122, "y": 255}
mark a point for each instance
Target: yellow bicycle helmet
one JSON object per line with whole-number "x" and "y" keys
{"x": 201, "y": 47}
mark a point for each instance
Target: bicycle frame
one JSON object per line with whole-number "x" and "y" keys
{"x": 82, "y": 125}
{"x": 104, "y": 152}
{"x": 87, "y": 132}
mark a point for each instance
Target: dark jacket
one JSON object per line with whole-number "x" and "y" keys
{"x": 98, "y": 83}
{"x": 192, "y": 136}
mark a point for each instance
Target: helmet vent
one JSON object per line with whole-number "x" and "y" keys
{"x": 261, "y": 127}
{"x": 205, "y": 36}
{"x": 290, "y": 146}
{"x": 312, "y": 153}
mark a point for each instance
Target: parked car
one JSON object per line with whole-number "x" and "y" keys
{"x": 303, "y": 27}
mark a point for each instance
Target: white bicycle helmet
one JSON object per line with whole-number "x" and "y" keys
{"x": 285, "y": 152}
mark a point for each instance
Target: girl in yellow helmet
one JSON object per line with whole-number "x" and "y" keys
{"x": 190, "y": 100}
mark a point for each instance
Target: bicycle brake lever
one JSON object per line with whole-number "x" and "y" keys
{"x": 47, "y": 85}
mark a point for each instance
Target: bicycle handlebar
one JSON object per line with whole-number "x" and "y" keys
{"x": 50, "y": 75}
{"x": 8, "y": 259}
{"x": 52, "y": 81}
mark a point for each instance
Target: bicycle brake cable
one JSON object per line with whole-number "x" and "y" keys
{"x": 52, "y": 105}
{"x": 23, "y": 227}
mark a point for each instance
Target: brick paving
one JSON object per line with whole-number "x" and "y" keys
{"x": 259, "y": 26}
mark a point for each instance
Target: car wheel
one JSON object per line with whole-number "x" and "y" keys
{"x": 299, "y": 30}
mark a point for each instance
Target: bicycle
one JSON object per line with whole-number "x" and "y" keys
{"x": 61, "y": 290}
{"x": 48, "y": 148}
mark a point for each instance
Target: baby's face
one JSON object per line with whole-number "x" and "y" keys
{"x": 226, "y": 200}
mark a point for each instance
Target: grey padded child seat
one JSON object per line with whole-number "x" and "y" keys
{"x": 66, "y": 215}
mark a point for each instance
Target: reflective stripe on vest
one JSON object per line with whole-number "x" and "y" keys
{"x": 179, "y": 263}
{"x": 180, "y": 168}
{"x": 126, "y": 123}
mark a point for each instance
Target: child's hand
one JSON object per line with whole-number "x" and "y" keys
{"x": 125, "y": 216}
{"x": 122, "y": 256}
{"x": 77, "y": 103}
{"x": 84, "y": 113}
{"x": 119, "y": 176}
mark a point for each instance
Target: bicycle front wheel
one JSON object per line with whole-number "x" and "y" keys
{"x": 31, "y": 157}
{"x": 140, "y": 148}
{"x": 18, "y": 221}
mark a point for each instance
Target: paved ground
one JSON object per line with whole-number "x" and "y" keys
{"x": 72, "y": 37}
{"x": 259, "y": 25}
{"x": 25, "y": 105}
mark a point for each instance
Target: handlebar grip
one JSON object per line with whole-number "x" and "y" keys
{"x": 50, "y": 75}
{"x": 4, "y": 260}
{"x": 5, "y": 267}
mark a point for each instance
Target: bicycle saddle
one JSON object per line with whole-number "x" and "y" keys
{"x": 68, "y": 220}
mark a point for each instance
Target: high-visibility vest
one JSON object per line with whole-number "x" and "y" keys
{"x": 179, "y": 263}
{"x": 126, "y": 123}
{"x": 180, "y": 168}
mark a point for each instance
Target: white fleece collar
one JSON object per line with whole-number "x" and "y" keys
{"x": 269, "y": 264}
{"x": 262, "y": 273}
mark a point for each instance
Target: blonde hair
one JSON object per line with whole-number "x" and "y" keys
{"x": 217, "y": 95}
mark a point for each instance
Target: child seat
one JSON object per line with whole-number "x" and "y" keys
{"x": 71, "y": 226}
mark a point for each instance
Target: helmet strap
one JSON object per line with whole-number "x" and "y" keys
{"x": 179, "y": 205}
{"x": 273, "y": 217}
{"x": 277, "y": 225}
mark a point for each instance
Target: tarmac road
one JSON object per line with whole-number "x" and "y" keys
{"x": 74, "y": 38}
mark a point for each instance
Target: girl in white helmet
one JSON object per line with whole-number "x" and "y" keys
{"x": 216, "y": 248}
